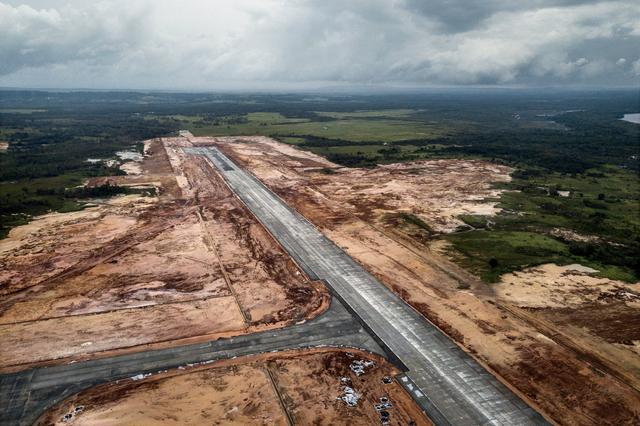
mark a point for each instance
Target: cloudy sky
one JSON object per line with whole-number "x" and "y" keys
{"x": 256, "y": 44}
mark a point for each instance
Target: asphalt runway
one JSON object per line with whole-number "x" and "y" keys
{"x": 25, "y": 395}
{"x": 449, "y": 384}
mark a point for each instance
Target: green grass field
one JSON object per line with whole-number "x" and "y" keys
{"x": 601, "y": 204}
{"x": 360, "y": 149}
{"x": 371, "y": 126}
{"x": 511, "y": 250}
{"x": 20, "y": 110}
{"x": 382, "y": 113}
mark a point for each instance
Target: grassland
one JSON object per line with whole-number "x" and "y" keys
{"x": 358, "y": 138}
{"x": 382, "y": 113}
{"x": 591, "y": 218}
{"x": 20, "y": 110}
{"x": 493, "y": 253}
{"x": 362, "y": 126}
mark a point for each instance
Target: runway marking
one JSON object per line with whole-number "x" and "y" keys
{"x": 457, "y": 387}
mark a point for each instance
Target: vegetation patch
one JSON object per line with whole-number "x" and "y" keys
{"x": 599, "y": 207}
{"x": 493, "y": 253}
{"x": 50, "y": 138}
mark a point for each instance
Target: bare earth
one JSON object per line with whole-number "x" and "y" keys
{"x": 135, "y": 270}
{"x": 598, "y": 314}
{"x": 571, "y": 381}
{"x": 303, "y": 387}
{"x": 98, "y": 280}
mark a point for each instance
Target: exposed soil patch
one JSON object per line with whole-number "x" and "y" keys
{"x": 435, "y": 191}
{"x": 592, "y": 404}
{"x": 150, "y": 273}
{"x": 567, "y": 286}
{"x": 614, "y": 322}
{"x": 229, "y": 395}
{"x": 98, "y": 280}
{"x": 386, "y": 228}
{"x": 83, "y": 334}
{"x": 302, "y": 386}
{"x": 598, "y": 316}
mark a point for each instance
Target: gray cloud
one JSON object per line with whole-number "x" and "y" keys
{"x": 267, "y": 43}
{"x": 463, "y": 15}
{"x": 47, "y": 37}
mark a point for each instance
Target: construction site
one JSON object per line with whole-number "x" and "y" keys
{"x": 251, "y": 282}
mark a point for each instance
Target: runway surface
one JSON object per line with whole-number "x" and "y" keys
{"x": 25, "y": 395}
{"x": 448, "y": 383}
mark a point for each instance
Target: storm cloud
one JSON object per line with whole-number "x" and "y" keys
{"x": 274, "y": 43}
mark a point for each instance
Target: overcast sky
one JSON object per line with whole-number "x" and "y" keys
{"x": 267, "y": 44}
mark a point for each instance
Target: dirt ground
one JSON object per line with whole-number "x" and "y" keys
{"x": 572, "y": 380}
{"x": 570, "y": 286}
{"x": 295, "y": 387}
{"x": 96, "y": 280}
{"x": 436, "y": 191}
{"x": 599, "y": 315}
{"x": 561, "y": 338}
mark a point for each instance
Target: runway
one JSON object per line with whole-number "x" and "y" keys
{"x": 449, "y": 384}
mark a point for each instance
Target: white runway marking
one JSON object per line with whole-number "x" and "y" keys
{"x": 458, "y": 389}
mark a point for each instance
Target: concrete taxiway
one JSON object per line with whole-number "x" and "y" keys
{"x": 25, "y": 395}
{"x": 447, "y": 382}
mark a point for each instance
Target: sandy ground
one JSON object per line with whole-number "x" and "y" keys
{"x": 34, "y": 252}
{"x": 131, "y": 168}
{"x": 436, "y": 191}
{"x": 79, "y": 283}
{"x": 74, "y": 335}
{"x": 570, "y": 286}
{"x": 302, "y": 387}
{"x": 565, "y": 378}
{"x": 149, "y": 273}
{"x": 601, "y": 315}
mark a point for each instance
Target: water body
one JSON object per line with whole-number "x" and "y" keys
{"x": 632, "y": 118}
{"x": 129, "y": 155}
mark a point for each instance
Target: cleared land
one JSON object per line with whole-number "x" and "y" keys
{"x": 100, "y": 279}
{"x": 449, "y": 385}
{"x": 25, "y": 395}
{"x": 565, "y": 376}
{"x": 298, "y": 387}
{"x": 110, "y": 266}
